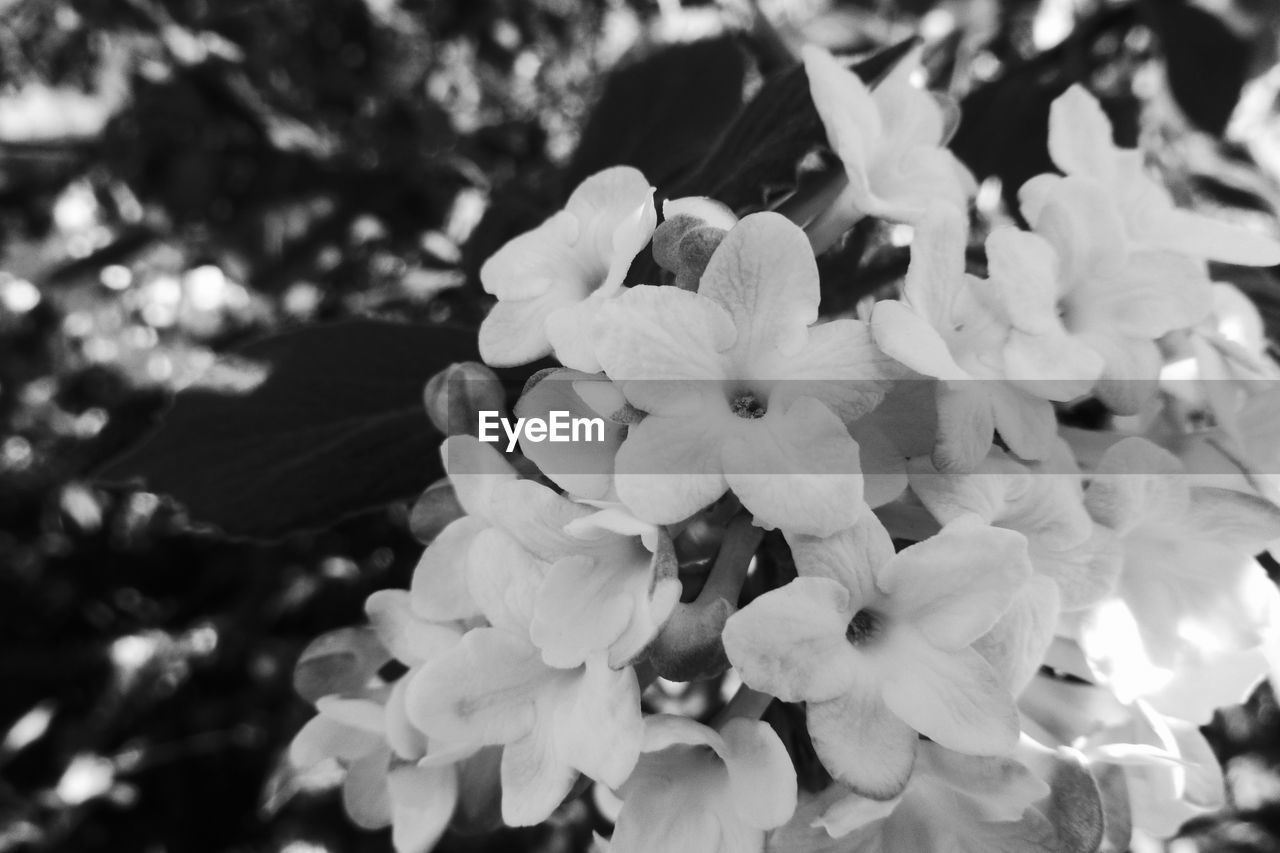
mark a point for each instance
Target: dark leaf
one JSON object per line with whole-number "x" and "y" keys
{"x": 300, "y": 429}
{"x": 660, "y": 113}
{"x": 1004, "y": 126}
{"x": 763, "y": 146}
{"x": 1206, "y": 63}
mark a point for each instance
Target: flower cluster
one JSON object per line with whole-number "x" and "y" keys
{"x": 929, "y": 613}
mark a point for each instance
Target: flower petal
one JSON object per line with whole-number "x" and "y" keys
{"x": 482, "y": 691}
{"x": 797, "y": 469}
{"x": 1136, "y": 480}
{"x": 406, "y": 635}
{"x": 862, "y": 743}
{"x": 588, "y": 606}
{"x": 655, "y": 340}
{"x": 1015, "y": 646}
{"x": 670, "y": 467}
{"x": 617, "y": 216}
{"x": 838, "y": 365}
{"x": 535, "y": 780}
{"x": 762, "y": 780}
{"x": 599, "y": 729}
{"x": 765, "y": 276}
{"x": 514, "y": 333}
{"x": 1080, "y": 135}
{"x": 364, "y": 792}
{"x": 422, "y": 802}
{"x": 852, "y": 557}
{"x": 536, "y": 516}
{"x": 439, "y": 590}
{"x": 503, "y": 578}
{"x": 966, "y": 425}
{"x": 954, "y": 586}
{"x": 582, "y": 468}
{"x": 954, "y": 698}
{"x": 1204, "y": 237}
{"x": 475, "y": 470}
{"x": 791, "y": 641}
{"x": 908, "y": 337}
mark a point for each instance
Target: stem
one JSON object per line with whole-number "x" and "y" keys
{"x": 746, "y": 703}
{"x": 729, "y": 572}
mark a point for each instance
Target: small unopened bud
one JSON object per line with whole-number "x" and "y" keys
{"x": 455, "y": 396}
{"x": 684, "y": 243}
{"x": 435, "y": 510}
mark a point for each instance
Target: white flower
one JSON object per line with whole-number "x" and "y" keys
{"x": 891, "y": 142}
{"x": 493, "y": 688}
{"x": 945, "y": 328}
{"x": 1080, "y": 144}
{"x": 1103, "y": 293}
{"x": 1076, "y": 561}
{"x": 699, "y": 789}
{"x": 1042, "y": 501}
{"x": 742, "y": 390}
{"x": 1189, "y": 588}
{"x": 879, "y": 646}
{"x": 551, "y": 280}
{"x": 598, "y": 580}
{"x": 392, "y": 775}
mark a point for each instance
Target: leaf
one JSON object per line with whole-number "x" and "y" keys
{"x": 773, "y": 132}
{"x": 302, "y": 428}
{"x": 660, "y": 113}
{"x": 1206, "y": 63}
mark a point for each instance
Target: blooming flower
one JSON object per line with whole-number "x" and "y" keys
{"x": 945, "y": 328}
{"x": 605, "y": 581}
{"x": 390, "y": 780}
{"x": 890, "y": 141}
{"x": 1075, "y": 560}
{"x": 696, "y": 788}
{"x": 1080, "y": 144}
{"x": 742, "y": 391}
{"x": 1189, "y": 587}
{"x": 551, "y": 280}
{"x": 493, "y": 688}
{"x": 880, "y": 646}
{"x": 1099, "y": 289}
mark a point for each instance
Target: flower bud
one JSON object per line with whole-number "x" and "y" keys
{"x": 684, "y": 242}
{"x": 455, "y": 396}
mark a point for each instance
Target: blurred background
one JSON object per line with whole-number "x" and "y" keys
{"x": 178, "y": 177}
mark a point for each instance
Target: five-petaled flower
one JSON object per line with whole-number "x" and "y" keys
{"x": 550, "y": 281}
{"x": 879, "y": 646}
{"x": 743, "y": 391}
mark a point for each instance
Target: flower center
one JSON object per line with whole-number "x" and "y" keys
{"x": 864, "y": 628}
{"x": 747, "y": 406}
